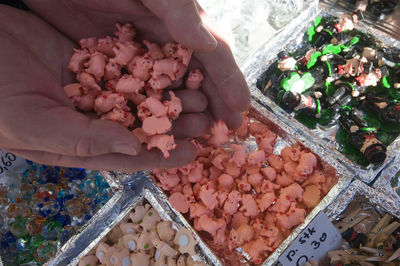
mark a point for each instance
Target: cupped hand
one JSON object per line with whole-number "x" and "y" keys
{"x": 38, "y": 121}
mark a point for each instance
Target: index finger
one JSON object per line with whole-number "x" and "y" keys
{"x": 223, "y": 71}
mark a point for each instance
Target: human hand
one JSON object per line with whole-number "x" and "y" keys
{"x": 74, "y": 146}
{"x": 162, "y": 21}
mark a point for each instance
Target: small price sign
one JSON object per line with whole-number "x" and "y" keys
{"x": 319, "y": 237}
{"x": 10, "y": 162}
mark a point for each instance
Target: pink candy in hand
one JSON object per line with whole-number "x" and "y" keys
{"x": 105, "y": 46}
{"x": 166, "y": 67}
{"x": 184, "y": 54}
{"x": 123, "y": 117}
{"x": 163, "y": 142}
{"x": 125, "y": 32}
{"x": 77, "y": 60}
{"x": 141, "y": 67}
{"x": 88, "y": 81}
{"x": 106, "y": 101}
{"x": 112, "y": 71}
{"x": 129, "y": 84}
{"x": 219, "y": 134}
{"x": 174, "y": 106}
{"x": 160, "y": 82}
{"x": 154, "y": 50}
{"x": 153, "y": 125}
{"x": 73, "y": 89}
{"x": 96, "y": 65}
{"x": 170, "y": 50}
{"x": 155, "y": 107}
{"x": 123, "y": 53}
{"x": 193, "y": 82}
{"x": 89, "y": 43}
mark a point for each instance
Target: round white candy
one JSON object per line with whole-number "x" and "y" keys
{"x": 132, "y": 245}
{"x": 183, "y": 240}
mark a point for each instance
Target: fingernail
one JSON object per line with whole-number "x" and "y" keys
{"x": 125, "y": 148}
{"x": 208, "y": 37}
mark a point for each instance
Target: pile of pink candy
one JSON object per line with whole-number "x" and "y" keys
{"x": 150, "y": 69}
{"x": 236, "y": 198}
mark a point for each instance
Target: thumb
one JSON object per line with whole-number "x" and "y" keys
{"x": 183, "y": 22}
{"x": 64, "y": 131}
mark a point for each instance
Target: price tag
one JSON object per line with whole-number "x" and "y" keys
{"x": 319, "y": 237}
{"x": 9, "y": 162}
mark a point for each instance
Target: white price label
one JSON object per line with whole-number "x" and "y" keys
{"x": 319, "y": 237}
{"x": 9, "y": 162}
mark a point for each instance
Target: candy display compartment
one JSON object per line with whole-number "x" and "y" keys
{"x": 320, "y": 103}
{"x": 42, "y": 208}
{"x": 245, "y": 197}
{"x": 369, "y": 224}
{"x": 138, "y": 229}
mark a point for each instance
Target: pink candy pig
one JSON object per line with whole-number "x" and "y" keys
{"x": 88, "y": 81}
{"x": 239, "y": 156}
{"x": 124, "y": 118}
{"x": 112, "y": 71}
{"x": 184, "y": 54}
{"x": 166, "y": 67}
{"x": 232, "y": 202}
{"x": 96, "y": 65}
{"x": 164, "y": 142}
{"x": 266, "y": 201}
{"x": 238, "y": 237}
{"x": 129, "y": 84}
{"x": 141, "y": 67}
{"x": 294, "y": 217}
{"x": 219, "y": 134}
{"x": 89, "y": 43}
{"x": 153, "y": 50}
{"x": 170, "y": 50}
{"x": 178, "y": 202}
{"x": 106, "y": 101}
{"x": 123, "y": 53}
{"x": 174, "y": 106}
{"x": 160, "y": 82}
{"x": 77, "y": 60}
{"x": 155, "y": 107}
{"x": 125, "y": 32}
{"x": 105, "y": 46}
{"x": 308, "y": 162}
{"x": 193, "y": 82}
{"x": 153, "y": 125}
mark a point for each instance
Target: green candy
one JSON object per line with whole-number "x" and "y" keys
{"x": 298, "y": 84}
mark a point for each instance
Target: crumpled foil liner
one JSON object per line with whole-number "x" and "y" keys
{"x": 388, "y": 180}
{"x": 141, "y": 188}
{"x": 376, "y": 198}
{"x": 288, "y": 39}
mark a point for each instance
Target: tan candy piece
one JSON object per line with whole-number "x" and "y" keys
{"x": 185, "y": 241}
